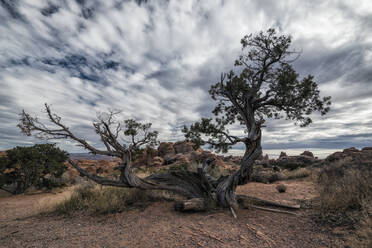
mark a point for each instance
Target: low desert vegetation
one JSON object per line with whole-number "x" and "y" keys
{"x": 345, "y": 199}
{"x": 297, "y": 173}
{"x": 345, "y": 193}
{"x": 264, "y": 176}
{"x": 91, "y": 198}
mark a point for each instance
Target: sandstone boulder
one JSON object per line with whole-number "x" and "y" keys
{"x": 166, "y": 148}
{"x": 282, "y": 155}
{"x": 335, "y": 156}
{"x": 353, "y": 157}
{"x": 183, "y": 147}
{"x": 157, "y": 161}
{"x": 293, "y": 162}
{"x": 308, "y": 153}
{"x": 145, "y": 158}
{"x": 176, "y": 159}
{"x": 369, "y": 148}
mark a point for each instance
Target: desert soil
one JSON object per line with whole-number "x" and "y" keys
{"x": 160, "y": 226}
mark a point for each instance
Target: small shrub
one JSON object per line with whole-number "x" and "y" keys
{"x": 281, "y": 188}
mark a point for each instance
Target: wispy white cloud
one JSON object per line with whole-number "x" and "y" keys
{"x": 155, "y": 60}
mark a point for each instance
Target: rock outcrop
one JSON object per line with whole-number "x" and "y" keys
{"x": 353, "y": 156}
{"x": 294, "y": 162}
{"x": 156, "y": 162}
{"x": 183, "y": 147}
{"x": 308, "y": 154}
{"x": 183, "y": 154}
{"x": 166, "y": 148}
{"x": 283, "y": 155}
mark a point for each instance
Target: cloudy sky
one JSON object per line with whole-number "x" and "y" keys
{"x": 155, "y": 61}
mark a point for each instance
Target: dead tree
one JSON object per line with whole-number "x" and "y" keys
{"x": 266, "y": 87}
{"x": 135, "y": 135}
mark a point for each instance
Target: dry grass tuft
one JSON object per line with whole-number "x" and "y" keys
{"x": 298, "y": 173}
{"x": 265, "y": 176}
{"x": 95, "y": 199}
{"x": 345, "y": 193}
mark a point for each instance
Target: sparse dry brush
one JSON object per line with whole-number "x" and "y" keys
{"x": 345, "y": 191}
{"x": 298, "y": 173}
{"x": 94, "y": 199}
{"x": 268, "y": 176}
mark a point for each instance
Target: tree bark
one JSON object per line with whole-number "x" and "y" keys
{"x": 226, "y": 187}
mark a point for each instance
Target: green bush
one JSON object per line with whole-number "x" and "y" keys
{"x": 37, "y": 165}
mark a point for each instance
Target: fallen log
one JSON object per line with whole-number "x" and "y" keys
{"x": 246, "y": 201}
{"x": 199, "y": 204}
{"x": 194, "y": 204}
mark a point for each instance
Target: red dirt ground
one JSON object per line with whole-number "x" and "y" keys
{"x": 160, "y": 226}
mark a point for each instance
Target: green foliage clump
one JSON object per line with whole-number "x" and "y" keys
{"x": 23, "y": 167}
{"x": 264, "y": 85}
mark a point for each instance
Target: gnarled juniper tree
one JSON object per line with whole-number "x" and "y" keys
{"x": 266, "y": 86}
{"x": 120, "y": 139}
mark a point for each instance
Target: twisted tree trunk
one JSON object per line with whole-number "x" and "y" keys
{"x": 226, "y": 188}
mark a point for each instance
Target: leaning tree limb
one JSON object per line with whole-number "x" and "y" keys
{"x": 185, "y": 183}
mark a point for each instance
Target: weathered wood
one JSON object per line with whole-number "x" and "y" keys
{"x": 199, "y": 204}
{"x": 226, "y": 187}
{"x": 233, "y": 212}
{"x": 184, "y": 183}
{"x": 274, "y": 210}
{"x": 246, "y": 201}
{"x": 195, "y": 204}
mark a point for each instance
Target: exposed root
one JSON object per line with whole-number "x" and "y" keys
{"x": 233, "y": 212}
